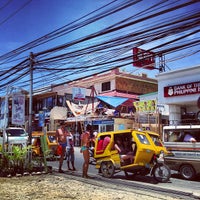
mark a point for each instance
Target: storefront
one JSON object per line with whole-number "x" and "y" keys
{"x": 180, "y": 90}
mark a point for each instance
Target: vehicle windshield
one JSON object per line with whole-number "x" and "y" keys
{"x": 143, "y": 139}
{"x": 16, "y": 132}
{"x": 156, "y": 140}
{"x": 52, "y": 138}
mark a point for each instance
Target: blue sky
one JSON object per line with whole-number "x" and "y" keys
{"x": 39, "y": 17}
{"x": 23, "y": 21}
{"x": 36, "y": 19}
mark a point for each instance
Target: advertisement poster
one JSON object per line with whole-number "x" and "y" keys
{"x": 18, "y": 109}
{"x": 145, "y": 106}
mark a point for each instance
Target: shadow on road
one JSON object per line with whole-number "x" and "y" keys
{"x": 138, "y": 178}
{"x": 178, "y": 176}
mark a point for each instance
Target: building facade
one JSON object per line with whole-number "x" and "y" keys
{"x": 180, "y": 90}
{"x": 112, "y": 83}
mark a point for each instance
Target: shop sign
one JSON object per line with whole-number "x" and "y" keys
{"x": 183, "y": 89}
{"x": 105, "y": 122}
{"x": 143, "y": 58}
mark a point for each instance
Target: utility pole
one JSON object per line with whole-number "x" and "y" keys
{"x": 31, "y": 97}
{"x": 161, "y": 63}
{"x": 5, "y": 116}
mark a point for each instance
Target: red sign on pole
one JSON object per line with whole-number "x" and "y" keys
{"x": 143, "y": 59}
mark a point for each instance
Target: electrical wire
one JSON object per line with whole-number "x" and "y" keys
{"x": 103, "y": 55}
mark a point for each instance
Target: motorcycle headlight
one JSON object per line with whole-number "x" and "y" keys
{"x": 161, "y": 157}
{"x": 161, "y": 154}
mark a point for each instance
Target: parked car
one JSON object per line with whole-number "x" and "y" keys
{"x": 13, "y": 136}
{"x": 185, "y": 155}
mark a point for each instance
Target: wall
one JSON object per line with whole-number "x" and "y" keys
{"x": 120, "y": 122}
{"x": 136, "y": 86}
{"x": 188, "y": 102}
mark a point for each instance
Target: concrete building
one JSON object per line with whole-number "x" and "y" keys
{"x": 180, "y": 90}
{"x": 113, "y": 83}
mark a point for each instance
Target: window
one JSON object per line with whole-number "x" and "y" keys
{"x": 142, "y": 138}
{"x": 156, "y": 140}
{"x": 49, "y": 103}
{"x": 16, "y": 132}
{"x": 105, "y": 86}
{"x": 60, "y": 100}
{"x": 178, "y": 135}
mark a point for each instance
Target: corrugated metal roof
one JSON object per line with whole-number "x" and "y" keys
{"x": 120, "y": 94}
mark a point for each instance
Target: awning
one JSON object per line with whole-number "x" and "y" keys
{"x": 113, "y": 101}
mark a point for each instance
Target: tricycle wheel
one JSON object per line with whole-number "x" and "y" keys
{"x": 187, "y": 172}
{"x": 107, "y": 169}
{"x": 162, "y": 173}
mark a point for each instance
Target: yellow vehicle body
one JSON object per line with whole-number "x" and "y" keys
{"x": 50, "y": 142}
{"x": 158, "y": 144}
{"x": 106, "y": 154}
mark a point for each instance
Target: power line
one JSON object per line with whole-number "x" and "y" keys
{"x": 15, "y": 12}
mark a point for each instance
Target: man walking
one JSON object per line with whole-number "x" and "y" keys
{"x": 61, "y": 137}
{"x": 85, "y": 139}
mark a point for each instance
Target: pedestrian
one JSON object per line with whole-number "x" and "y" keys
{"x": 85, "y": 140}
{"x": 70, "y": 151}
{"x": 61, "y": 135}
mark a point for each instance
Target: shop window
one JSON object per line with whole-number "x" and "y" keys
{"x": 49, "y": 103}
{"x": 106, "y": 86}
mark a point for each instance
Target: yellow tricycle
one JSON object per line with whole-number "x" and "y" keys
{"x": 132, "y": 151}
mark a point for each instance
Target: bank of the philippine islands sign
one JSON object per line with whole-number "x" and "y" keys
{"x": 183, "y": 89}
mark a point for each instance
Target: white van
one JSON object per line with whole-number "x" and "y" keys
{"x": 13, "y": 136}
{"x": 185, "y": 154}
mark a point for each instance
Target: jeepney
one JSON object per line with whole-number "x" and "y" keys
{"x": 185, "y": 155}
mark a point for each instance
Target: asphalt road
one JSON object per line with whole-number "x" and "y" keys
{"x": 175, "y": 183}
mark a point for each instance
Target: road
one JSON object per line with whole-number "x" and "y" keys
{"x": 175, "y": 185}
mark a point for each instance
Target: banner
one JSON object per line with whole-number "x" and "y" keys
{"x": 79, "y": 93}
{"x": 143, "y": 59}
{"x": 3, "y": 115}
{"x": 18, "y": 109}
{"x": 145, "y": 106}
{"x": 41, "y": 121}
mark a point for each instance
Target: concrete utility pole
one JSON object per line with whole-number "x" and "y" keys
{"x": 31, "y": 97}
